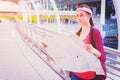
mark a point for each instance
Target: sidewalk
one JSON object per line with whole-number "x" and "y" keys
{"x": 17, "y": 61}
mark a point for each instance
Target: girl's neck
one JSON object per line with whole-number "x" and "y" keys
{"x": 86, "y": 26}
{"x": 83, "y": 29}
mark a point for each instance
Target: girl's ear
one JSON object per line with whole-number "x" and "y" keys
{"x": 90, "y": 15}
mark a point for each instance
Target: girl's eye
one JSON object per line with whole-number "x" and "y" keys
{"x": 79, "y": 15}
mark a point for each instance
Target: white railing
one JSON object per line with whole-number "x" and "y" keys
{"x": 32, "y": 36}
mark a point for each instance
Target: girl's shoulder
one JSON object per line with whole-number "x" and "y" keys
{"x": 95, "y": 31}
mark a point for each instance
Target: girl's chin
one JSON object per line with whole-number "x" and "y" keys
{"x": 80, "y": 24}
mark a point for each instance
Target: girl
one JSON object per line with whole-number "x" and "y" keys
{"x": 84, "y": 17}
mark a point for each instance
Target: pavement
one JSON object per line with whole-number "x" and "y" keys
{"x": 17, "y": 60}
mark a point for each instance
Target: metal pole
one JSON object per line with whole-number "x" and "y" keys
{"x": 57, "y": 14}
{"x": 37, "y": 12}
{"x": 102, "y": 13}
{"x": 25, "y": 17}
{"x": 117, "y": 9}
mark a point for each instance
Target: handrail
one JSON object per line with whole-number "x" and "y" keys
{"x": 110, "y": 59}
{"x": 112, "y": 51}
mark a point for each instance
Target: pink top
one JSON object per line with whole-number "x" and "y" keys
{"x": 99, "y": 46}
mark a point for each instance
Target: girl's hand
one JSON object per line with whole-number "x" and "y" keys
{"x": 89, "y": 48}
{"x": 44, "y": 45}
{"x": 92, "y": 50}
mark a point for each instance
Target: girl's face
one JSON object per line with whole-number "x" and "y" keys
{"x": 83, "y": 17}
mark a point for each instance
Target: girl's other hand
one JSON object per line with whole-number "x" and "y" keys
{"x": 89, "y": 48}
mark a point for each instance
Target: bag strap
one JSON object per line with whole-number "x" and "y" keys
{"x": 92, "y": 39}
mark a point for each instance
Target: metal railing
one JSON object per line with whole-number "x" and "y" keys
{"x": 33, "y": 35}
{"x": 113, "y": 63}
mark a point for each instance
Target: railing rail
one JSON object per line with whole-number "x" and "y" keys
{"x": 112, "y": 51}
